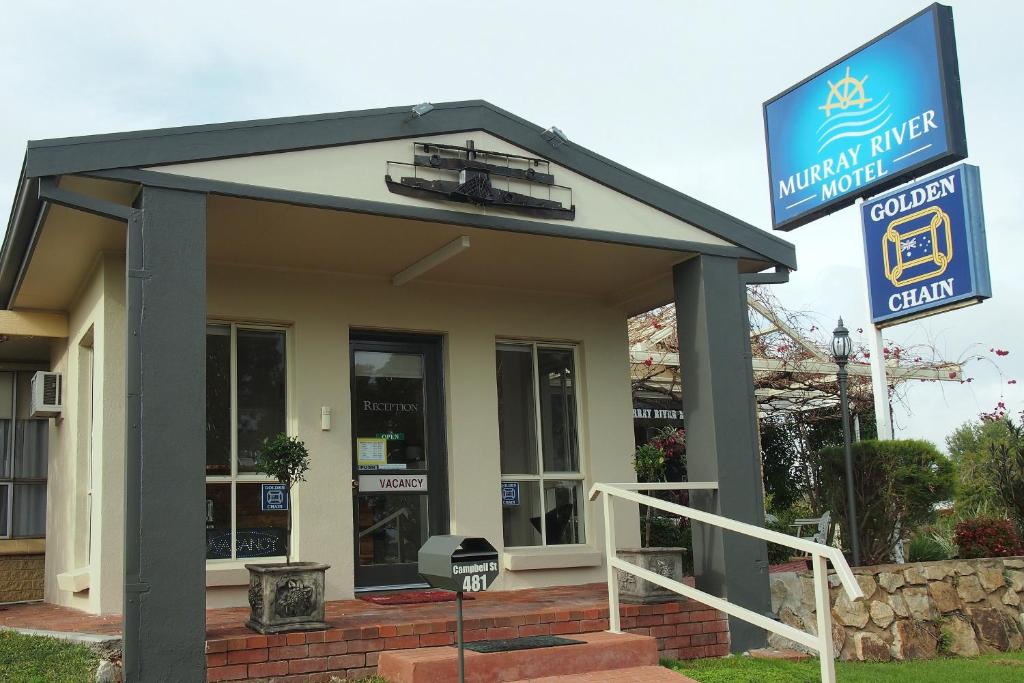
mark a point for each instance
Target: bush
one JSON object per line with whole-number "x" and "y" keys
{"x": 926, "y": 548}
{"x": 987, "y": 537}
{"x": 896, "y": 486}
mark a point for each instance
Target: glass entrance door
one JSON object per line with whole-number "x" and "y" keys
{"x": 398, "y": 455}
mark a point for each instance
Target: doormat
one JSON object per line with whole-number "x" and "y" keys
{"x": 412, "y": 597}
{"x": 527, "y": 643}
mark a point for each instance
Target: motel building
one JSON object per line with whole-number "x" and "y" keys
{"x": 434, "y": 299}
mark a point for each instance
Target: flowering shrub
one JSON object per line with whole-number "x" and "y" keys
{"x": 671, "y": 442}
{"x": 987, "y": 537}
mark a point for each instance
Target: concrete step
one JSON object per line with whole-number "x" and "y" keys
{"x": 634, "y": 674}
{"x": 600, "y": 652}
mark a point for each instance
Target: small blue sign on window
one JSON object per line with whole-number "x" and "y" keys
{"x": 510, "y": 493}
{"x": 274, "y": 497}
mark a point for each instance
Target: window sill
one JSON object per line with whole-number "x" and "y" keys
{"x": 22, "y": 546}
{"x": 525, "y": 559}
{"x": 75, "y": 581}
{"x": 221, "y": 573}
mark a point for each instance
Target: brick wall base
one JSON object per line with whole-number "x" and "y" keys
{"x": 683, "y": 629}
{"x": 21, "y": 577}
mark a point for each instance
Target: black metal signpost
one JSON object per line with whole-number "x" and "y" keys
{"x": 461, "y": 564}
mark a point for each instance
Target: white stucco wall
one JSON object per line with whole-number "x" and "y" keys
{"x": 357, "y": 171}
{"x": 84, "y": 530}
{"x": 321, "y": 308}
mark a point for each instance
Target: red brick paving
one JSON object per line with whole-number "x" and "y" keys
{"x": 360, "y": 630}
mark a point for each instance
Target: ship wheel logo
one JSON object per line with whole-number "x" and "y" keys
{"x": 847, "y": 92}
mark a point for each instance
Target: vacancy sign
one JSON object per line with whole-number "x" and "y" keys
{"x": 392, "y": 483}
{"x": 924, "y": 247}
{"x": 880, "y": 116}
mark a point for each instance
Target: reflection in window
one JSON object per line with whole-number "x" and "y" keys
{"x": 24, "y": 444}
{"x": 246, "y": 402}
{"x": 388, "y": 401}
{"x": 392, "y": 528}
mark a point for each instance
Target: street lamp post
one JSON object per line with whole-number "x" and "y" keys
{"x": 841, "y": 347}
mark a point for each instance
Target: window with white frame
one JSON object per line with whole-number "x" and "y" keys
{"x": 246, "y": 402}
{"x": 23, "y": 452}
{"x": 542, "y": 481}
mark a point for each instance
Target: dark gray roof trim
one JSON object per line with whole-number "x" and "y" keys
{"x": 430, "y": 215}
{"x": 217, "y": 141}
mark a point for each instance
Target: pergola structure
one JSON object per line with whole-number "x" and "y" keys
{"x": 793, "y": 372}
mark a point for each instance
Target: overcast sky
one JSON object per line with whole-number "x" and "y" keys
{"x": 671, "y": 89}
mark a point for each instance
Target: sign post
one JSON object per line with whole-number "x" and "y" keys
{"x": 880, "y": 385}
{"x": 461, "y": 564}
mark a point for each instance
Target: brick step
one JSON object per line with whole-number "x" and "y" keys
{"x": 600, "y": 652}
{"x": 634, "y": 674}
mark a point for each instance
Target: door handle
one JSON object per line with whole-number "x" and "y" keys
{"x": 355, "y": 484}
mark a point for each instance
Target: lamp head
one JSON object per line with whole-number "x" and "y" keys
{"x": 841, "y": 344}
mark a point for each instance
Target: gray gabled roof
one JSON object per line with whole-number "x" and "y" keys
{"x": 133, "y": 150}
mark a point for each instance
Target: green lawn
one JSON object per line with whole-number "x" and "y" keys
{"x": 1007, "y": 667}
{"x": 32, "y": 659}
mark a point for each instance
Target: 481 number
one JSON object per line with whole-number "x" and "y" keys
{"x": 473, "y": 583}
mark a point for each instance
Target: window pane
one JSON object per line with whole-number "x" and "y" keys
{"x": 6, "y": 395}
{"x": 218, "y": 399}
{"x": 258, "y": 533}
{"x": 6, "y": 454}
{"x": 5, "y": 492}
{"x": 521, "y": 523}
{"x": 563, "y": 512}
{"x": 218, "y": 521}
{"x": 389, "y": 400}
{"x": 6, "y": 420}
{"x": 392, "y": 528}
{"x": 261, "y": 392}
{"x": 29, "y": 514}
{"x": 517, "y": 432}
{"x": 558, "y": 410}
{"x": 30, "y": 438}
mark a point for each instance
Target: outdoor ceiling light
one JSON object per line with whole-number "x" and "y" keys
{"x": 422, "y": 108}
{"x": 841, "y": 344}
{"x": 555, "y": 136}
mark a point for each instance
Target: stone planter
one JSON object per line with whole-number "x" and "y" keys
{"x": 667, "y": 562}
{"x": 286, "y": 597}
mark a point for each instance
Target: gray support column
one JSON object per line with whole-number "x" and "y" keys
{"x": 165, "y": 450}
{"x": 721, "y": 444}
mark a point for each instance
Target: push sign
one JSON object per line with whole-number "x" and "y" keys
{"x": 458, "y": 563}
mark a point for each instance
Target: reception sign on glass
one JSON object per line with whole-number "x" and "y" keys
{"x": 882, "y": 115}
{"x": 924, "y": 247}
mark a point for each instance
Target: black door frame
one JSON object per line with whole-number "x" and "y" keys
{"x": 432, "y": 347}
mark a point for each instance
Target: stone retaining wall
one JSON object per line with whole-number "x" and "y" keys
{"x": 21, "y": 578}
{"x": 909, "y": 611}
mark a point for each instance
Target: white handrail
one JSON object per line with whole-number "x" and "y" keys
{"x": 820, "y": 555}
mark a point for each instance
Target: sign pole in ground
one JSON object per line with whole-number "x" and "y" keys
{"x": 458, "y": 635}
{"x": 880, "y": 385}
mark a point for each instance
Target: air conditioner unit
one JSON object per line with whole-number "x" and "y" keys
{"x": 47, "y": 394}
